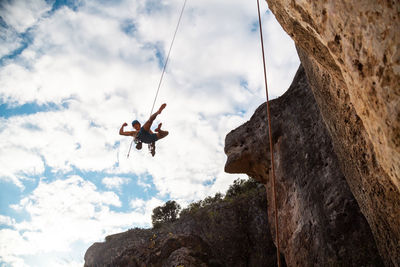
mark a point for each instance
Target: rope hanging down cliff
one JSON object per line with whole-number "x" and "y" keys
{"x": 271, "y": 147}
{"x": 164, "y": 68}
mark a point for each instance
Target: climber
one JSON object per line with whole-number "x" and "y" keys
{"x": 145, "y": 134}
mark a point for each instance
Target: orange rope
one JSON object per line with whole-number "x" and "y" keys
{"x": 271, "y": 147}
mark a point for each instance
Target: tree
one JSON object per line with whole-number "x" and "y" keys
{"x": 166, "y": 213}
{"x": 211, "y": 200}
{"x": 241, "y": 186}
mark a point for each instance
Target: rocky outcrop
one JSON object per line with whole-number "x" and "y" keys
{"x": 320, "y": 221}
{"x": 351, "y": 53}
{"x": 232, "y": 232}
{"x": 140, "y": 247}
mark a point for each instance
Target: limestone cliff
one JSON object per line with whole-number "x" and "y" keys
{"x": 336, "y": 135}
{"x": 351, "y": 53}
{"x": 228, "y": 232}
{"x": 320, "y": 221}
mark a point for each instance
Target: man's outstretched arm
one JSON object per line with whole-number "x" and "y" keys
{"x": 122, "y": 132}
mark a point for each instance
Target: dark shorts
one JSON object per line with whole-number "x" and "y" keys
{"x": 146, "y": 137}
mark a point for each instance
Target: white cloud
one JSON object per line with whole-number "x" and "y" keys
{"x": 144, "y": 182}
{"x": 114, "y": 182}
{"x": 213, "y": 83}
{"x": 137, "y": 203}
{"x": 18, "y": 164}
{"x": 19, "y": 16}
{"x": 23, "y": 14}
{"x": 9, "y": 41}
{"x": 100, "y": 77}
{"x": 64, "y": 212}
{"x": 145, "y": 207}
{"x": 12, "y": 245}
{"x": 6, "y": 220}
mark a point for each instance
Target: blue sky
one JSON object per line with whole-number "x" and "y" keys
{"x": 72, "y": 72}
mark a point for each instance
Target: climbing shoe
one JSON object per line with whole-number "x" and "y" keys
{"x": 139, "y": 145}
{"x": 152, "y": 148}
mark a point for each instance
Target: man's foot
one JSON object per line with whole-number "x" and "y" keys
{"x": 139, "y": 145}
{"x": 152, "y": 148}
{"x": 161, "y": 108}
{"x": 158, "y": 128}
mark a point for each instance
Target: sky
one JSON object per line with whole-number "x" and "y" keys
{"x": 72, "y": 72}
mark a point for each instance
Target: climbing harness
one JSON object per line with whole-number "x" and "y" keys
{"x": 138, "y": 145}
{"x": 152, "y": 146}
{"x": 271, "y": 147}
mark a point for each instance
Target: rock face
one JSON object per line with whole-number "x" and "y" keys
{"x": 351, "y": 53}
{"x": 320, "y": 221}
{"x": 227, "y": 233}
{"x": 140, "y": 247}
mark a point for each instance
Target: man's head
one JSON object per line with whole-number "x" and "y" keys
{"x": 136, "y": 125}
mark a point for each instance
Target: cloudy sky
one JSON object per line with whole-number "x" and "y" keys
{"x": 72, "y": 72}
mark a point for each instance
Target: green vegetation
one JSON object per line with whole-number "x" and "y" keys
{"x": 166, "y": 213}
{"x": 170, "y": 210}
{"x": 241, "y": 186}
{"x": 195, "y": 206}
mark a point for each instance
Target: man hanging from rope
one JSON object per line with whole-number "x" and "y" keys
{"x": 145, "y": 134}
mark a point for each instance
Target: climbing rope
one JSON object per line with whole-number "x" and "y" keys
{"x": 271, "y": 147}
{"x": 130, "y": 147}
{"x": 169, "y": 52}
{"x": 164, "y": 68}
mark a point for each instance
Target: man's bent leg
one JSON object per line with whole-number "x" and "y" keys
{"x": 150, "y": 121}
{"x": 161, "y": 134}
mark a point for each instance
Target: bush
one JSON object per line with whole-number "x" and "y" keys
{"x": 166, "y": 213}
{"x": 211, "y": 200}
{"x": 192, "y": 208}
{"x": 241, "y": 186}
{"x": 195, "y": 206}
{"x": 170, "y": 210}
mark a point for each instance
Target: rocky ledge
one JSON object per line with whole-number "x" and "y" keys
{"x": 320, "y": 221}
{"x": 351, "y": 54}
{"x": 226, "y": 232}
